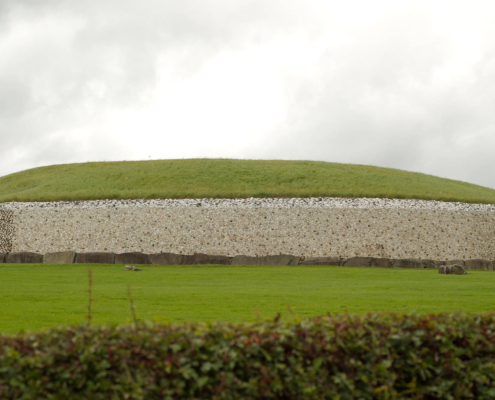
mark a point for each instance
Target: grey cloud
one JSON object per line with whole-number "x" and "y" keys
{"x": 375, "y": 96}
{"x": 381, "y": 101}
{"x": 105, "y": 58}
{"x": 14, "y": 97}
{"x": 112, "y": 57}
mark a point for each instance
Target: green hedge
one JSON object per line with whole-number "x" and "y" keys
{"x": 376, "y": 356}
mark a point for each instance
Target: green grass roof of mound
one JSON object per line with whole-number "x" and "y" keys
{"x": 226, "y": 178}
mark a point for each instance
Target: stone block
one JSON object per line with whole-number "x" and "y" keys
{"x": 484, "y": 265}
{"x": 408, "y": 263}
{"x": 131, "y": 258}
{"x": 452, "y": 262}
{"x": 433, "y": 264}
{"x": 165, "y": 259}
{"x": 380, "y": 262}
{"x": 280, "y": 260}
{"x": 95, "y": 258}
{"x": 454, "y": 269}
{"x": 357, "y": 262}
{"x": 199, "y": 258}
{"x": 131, "y": 268}
{"x": 24, "y": 258}
{"x": 321, "y": 261}
{"x": 3, "y": 256}
{"x": 60, "y": 257}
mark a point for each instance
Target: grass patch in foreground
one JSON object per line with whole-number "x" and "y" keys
{"x": 46, "y": 295}
{"x": 224, "y": 178}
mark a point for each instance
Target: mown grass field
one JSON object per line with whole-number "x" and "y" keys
{"x": 34, "y": 297}
{"x": 228, "y": 178}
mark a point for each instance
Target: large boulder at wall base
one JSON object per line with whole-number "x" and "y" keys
{"x": 357, "y": 262}
{"x": 95, "y": 258}
{"x": 408, "y": 263}
{"x": 454, "y": 269}
{"x": 24, "y": 258}
{"x": 282, "y": 260}
{"x": 433, "y": 264}
{"x": 165, "y": 259}
{"x": 131, "y": 258}
{"x": 380, "y": 262}
{"x": 3, "y": 256}
{"x": 322, "y": 261}
{"x": 60, "y": 257}
{"x": 198, "y": 259}
{"x": 131, "y": 268}
{"x": 484, "y": 265}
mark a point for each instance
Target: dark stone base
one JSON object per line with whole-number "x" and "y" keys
{"x": 280, "y": 260}
{"x": 165, "y": 259}
{"x": 95, "y": 258}
{"x": 198, "y": 259}
{"x": 381, "y": 262}
{"x": 322, "y": 261}
{"x": 357, "y": 262}
{"x": 67, "y": 257}
{"x": 24, "y": 258}
{"x": 408, "y": 263}
{"x": 131, "y": 258}
{"x": 61, "y": 257}
{"x": 484, "y": 265}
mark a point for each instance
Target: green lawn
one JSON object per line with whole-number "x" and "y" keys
{"x": 40, "y": 296}
{"x": 224, "y": 178}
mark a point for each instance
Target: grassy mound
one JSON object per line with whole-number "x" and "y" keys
{"x": 200, "y": 178}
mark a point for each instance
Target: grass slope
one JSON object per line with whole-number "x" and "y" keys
{"x": 44, "y": 295}
{"x": 224, "y": 178}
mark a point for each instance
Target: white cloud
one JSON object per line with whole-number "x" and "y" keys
{"x": 404, "y": 84}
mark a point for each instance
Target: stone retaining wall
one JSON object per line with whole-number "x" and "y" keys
{"x": 391, "y": 233}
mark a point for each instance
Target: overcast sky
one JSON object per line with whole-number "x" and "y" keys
{"x": 401, "y": 84}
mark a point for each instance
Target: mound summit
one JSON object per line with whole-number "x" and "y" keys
{"x": 230, "y": 178}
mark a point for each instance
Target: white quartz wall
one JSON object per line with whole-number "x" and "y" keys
{"x": 436, "y": 231}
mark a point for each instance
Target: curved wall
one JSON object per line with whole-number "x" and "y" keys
{"x": 426, "y": 230}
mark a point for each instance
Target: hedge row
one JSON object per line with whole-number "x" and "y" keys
{"x": 376, "y": 356}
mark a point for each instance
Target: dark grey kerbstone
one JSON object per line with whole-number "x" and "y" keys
{"x": 454, "y": 269}
{"x": 3, "y": 256}
{"x": 322, "y": 261}
{"x": 95, "y": 258}
{"x": 60, "y": 257}
{"x": 408, "y": 263}
{"x": 380, "y": 262}
{"x": 433, "y": 264}
{"x": 452, "y": 262}
{"x": 131, "y": 258}
{"x": 198, "y": 259}
{"x": 484, "y": 265}
{"x": 165, "y": 259}
{"x": 24, "y": 258}
{"x": 357, "y": 262}
{"x": 279, "y": 261}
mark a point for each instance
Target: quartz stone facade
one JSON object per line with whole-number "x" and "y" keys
{"x": 254, "y": 227}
